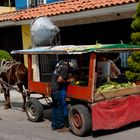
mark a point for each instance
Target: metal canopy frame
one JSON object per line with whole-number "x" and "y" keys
{"x": 78, "y": 49}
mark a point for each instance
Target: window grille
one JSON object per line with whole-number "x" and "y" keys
{"x": 47, "y": 65}
{"x": 124, "y": 56}
{"x": 35, "y": 3}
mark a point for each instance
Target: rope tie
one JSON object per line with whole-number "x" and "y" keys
{"x": 4, "y": 67}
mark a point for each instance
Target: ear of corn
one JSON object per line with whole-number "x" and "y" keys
{"x": 113, "y": 85}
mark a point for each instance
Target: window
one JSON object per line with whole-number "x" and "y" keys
{"x": 46, "y": 65}
{"x": 35, "y": 3}
{"x": 7, "y": 3}
{"x": 52, "y": 1}
{"x": 124, "y": 56}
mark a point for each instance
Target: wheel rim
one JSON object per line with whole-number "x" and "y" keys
{"x": 31, "y": 110}
{"x": 76, "y": 120}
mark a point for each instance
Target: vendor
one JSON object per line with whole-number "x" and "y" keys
{"x": 114, "y": 71}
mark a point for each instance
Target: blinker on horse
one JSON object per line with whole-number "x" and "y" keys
{"x": 13, "y": 73}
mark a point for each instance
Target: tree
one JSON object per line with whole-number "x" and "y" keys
{"x": 135, "y": 36}
{"x": 133, "y": 74}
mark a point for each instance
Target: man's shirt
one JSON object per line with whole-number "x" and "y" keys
{"x": 62, "y": 71}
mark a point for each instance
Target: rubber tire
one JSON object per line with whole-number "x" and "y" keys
{"x": 80, "y": 112}
{"x": 34, "y": 105}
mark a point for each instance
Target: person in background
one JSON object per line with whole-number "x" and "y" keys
{"x": 115, "y": 57}
{"x": 114, "y": 70}
{"x": 59, "y": 83}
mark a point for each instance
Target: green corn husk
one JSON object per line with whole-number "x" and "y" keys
{"x": 112, "y": 86}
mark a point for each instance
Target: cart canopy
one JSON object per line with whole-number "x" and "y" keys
{"x": 77, "y": 49}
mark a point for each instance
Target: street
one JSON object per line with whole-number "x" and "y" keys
{"x": 14, "y": 126}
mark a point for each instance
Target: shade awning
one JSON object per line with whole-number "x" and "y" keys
{"x": 78, "y": 49}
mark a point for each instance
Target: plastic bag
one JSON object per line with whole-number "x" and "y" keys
{"x": 43, "y": 31}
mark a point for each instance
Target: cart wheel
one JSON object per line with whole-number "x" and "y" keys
{"x": 80, "y": 120}
{"x": 34, "y": 110}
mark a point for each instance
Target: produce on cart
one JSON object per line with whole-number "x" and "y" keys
{"x": 113, "y": 89}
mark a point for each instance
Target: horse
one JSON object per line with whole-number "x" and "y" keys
{"x": 13, "y": 73}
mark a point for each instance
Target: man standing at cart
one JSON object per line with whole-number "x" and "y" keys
{"x": 59, "y": 81}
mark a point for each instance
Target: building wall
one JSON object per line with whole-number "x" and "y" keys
{"x": 27, "y": 43}
{"x": 11, "y": 39}
{"x": 21, "y": 4}
{"x": 6, "y": 9}
{"x": 26, "y": 39}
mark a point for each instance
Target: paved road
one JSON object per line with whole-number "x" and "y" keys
{"x": 14, "y": 126}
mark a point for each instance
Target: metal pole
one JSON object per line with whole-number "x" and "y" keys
{"x": 9, "y": 3}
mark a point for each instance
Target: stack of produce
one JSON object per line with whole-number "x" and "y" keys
{"x": 113, "y": 85}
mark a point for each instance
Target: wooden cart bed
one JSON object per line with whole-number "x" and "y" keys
{"x": 116, "y": 93}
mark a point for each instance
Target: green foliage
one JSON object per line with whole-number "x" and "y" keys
{"x": 132, "y": 76}
{"x": 135, "y": 56}
{"x": 136, "y": 24}
{"x": 133, "y": 73}
{"x": 137, "y": 13}
{"x": 5, "y": 55}
{"x": 138, "y": 10}
{"x": 135, "y": 36}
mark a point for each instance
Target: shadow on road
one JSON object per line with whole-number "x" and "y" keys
{"x": 15, "y": 105}
{"x": 47, "y": 116}
{"x": 47, "y": 113}
{"x": 108, "y": 132}
{"x": 1, "y": 103}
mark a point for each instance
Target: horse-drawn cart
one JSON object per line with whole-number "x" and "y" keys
{"x": 89, "y": 108}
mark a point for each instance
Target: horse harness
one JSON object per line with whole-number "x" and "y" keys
{"x": 4, "y": 67}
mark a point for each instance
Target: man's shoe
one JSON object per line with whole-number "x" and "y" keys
{"x": 63, "y": 129}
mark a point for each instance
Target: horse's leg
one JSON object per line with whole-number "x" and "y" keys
{"x": 7, "y": 99}
{"x": 24, "y": 101}
{"x": 20, "y": 86}
{"x": 25, "y": 83}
